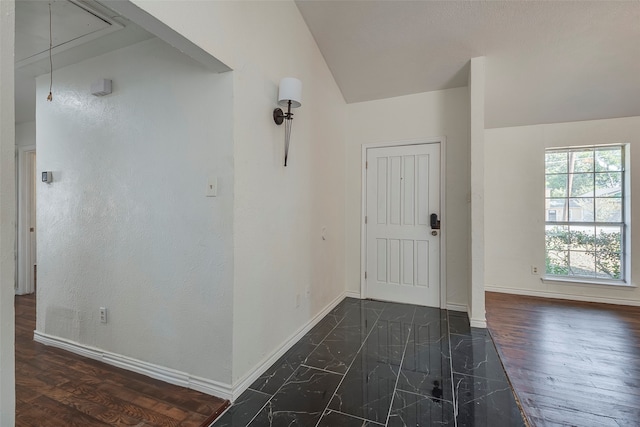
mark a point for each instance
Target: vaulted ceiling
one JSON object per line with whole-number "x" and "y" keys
{"x": 547, "y": 61}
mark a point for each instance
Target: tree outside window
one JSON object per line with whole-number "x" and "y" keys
{"x": 584, "y": 213}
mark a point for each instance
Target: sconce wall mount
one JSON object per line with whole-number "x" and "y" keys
{"x": 290, "y": 96}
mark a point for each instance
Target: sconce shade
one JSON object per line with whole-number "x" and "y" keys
{"x": 290, "y": 90}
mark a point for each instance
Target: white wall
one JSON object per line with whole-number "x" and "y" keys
{"x": 477, "y": 170}
{"x": 425, "y": 115}
{"x": 25, "y": 134}
{"x": 279, "y": 212}
{"x": 7, "y": 214}
{"x": 125, "y": 223}
{"x": 514, "y": 195}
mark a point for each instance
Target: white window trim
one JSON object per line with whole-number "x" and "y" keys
{"x": 627, "y": 282}
{"x": 559, "y": 280}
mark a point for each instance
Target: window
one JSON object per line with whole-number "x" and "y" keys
{"x": 585, "y": 213}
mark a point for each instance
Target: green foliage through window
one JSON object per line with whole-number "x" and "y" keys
{"x": 584, "y": 212}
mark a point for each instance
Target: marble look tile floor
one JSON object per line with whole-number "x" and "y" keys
{"x": 371, "y": 363}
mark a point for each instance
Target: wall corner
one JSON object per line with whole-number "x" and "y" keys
{"x": 477, "y": 116}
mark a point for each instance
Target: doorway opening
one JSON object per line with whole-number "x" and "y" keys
{"x": 26, "y": 262}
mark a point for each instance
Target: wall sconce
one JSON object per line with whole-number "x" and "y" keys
{"x": 290, "y": 96}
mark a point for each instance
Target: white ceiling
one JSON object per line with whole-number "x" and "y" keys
{"x": 81, "y": 29}
{"x": 547, "y": 61}
{"x": 32, "y": 26}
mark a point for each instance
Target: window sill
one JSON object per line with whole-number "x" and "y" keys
{"x": 554, "y": 280}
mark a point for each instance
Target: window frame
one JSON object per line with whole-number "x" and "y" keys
{"x": 624, "y": 224}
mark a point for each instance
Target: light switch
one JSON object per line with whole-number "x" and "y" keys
{"x": 212, "y": 187}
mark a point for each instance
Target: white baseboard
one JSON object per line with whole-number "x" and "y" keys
{"x": 478, "y": 323}
{"x": 183, "y": 379}
{"x": 558, "y": 295}
{"x": 456, "y": 307}
{"x": 474, "y": 323}
{"x": 352, "y": 294}
{"x": 243, "y": 383}
{"x": 158, "y": 372}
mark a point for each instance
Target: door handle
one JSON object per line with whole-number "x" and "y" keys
{"x": 435, "y": 222}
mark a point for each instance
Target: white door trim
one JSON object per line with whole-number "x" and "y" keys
{"x": 24, "y": 272}
{"x": 443, "y": 215}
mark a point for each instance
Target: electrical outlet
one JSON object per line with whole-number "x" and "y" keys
{"x": 103, "y": 315}
{"x": 534, "y": 269}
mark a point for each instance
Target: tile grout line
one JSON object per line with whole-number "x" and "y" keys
{"x": 258, "y": 391}
{"x": 424, "y": 395}
{"x": 269, "y": 399}
{"x": 355, "y": 416}
{"x": 294, "y": 371}
{"x": 395, "y": 387}
{"x": 350, "y": 364}
{"x": 454, "y": 397}
{"x": 321, "y": 369}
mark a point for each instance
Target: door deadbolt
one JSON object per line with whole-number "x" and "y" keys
{"x": 434, "y": 232}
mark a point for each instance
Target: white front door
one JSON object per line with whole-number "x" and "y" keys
{"x": 403, "y": 250}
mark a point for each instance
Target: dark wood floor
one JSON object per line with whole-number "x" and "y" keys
{"x": 58, "y": 388}
{"x": 570, "y": 363}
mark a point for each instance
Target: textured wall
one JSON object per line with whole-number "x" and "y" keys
{"x": 7, "y": 214}
{"x": 514, "y": 204}
{"x": 425, "y": 115}
{"x": 125, "y": 223}
{"x": 279, "y": 212}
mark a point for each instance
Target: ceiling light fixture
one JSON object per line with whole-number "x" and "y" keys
{"x": 290, "y": 96}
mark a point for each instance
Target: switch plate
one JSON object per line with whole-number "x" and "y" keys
{"x": 212, "y": 187}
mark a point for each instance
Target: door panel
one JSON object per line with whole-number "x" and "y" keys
{"x": 403, "y": 190}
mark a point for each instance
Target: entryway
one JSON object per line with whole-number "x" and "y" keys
{"x": 26, "y": 253}
{"x": 402, "y": 230}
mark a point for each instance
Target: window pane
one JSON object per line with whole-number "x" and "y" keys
{"x": 557, "y": 237}
{"x": 582, "y": 238}
{"x": 557, "y": 206}
{"x": 581, "y": 210}
{"x": 609, "y": 239}
{"x": 582, "y": 161}
{"x": 581, "y": 184}
{"x": 608, "y": 251}
{"x": 557, "y": 263}
{"x": 609, "y": 159}
{"x": 556, "y": 162}
{"x": 582, "y": 263}
{"x": 609, "y": 184}
{"x": 609, "y": 210}
{"x": 584, "y": 187}
{"x": 557, "y": 185}
{"x": 608, "y": 265}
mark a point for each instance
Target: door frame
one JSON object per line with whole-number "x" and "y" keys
{"x": 24, "y": 273}
{"x": 443, "y": 228}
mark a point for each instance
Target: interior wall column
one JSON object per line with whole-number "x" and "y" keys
{"x": 477, "y": 105}
{"x": 7, "y": 214}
